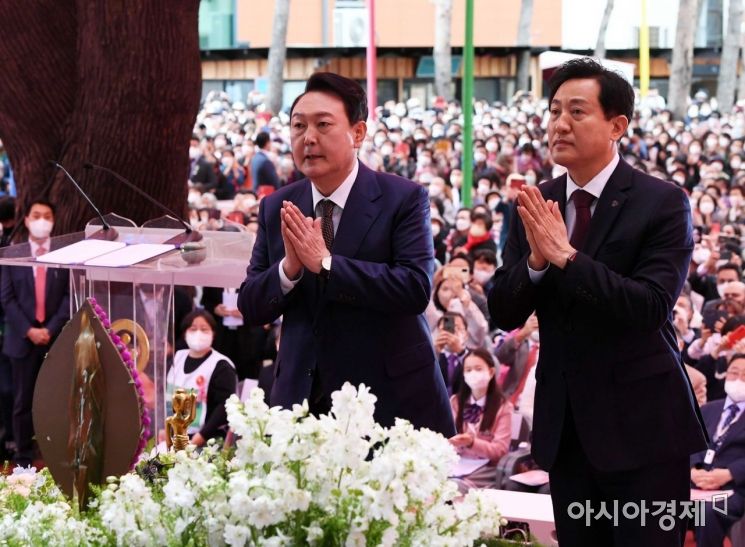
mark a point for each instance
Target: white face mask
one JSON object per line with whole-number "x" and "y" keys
{"x": 478, "y": 157}
{"x": 435, "y": 230}
{"x": 735, "y": 389}
{"x": 721, "y": 287}
{"x": 478, "y": 231}
{"x": 462, "y": 224}
{"x": 40, "y": 228}
{"x": 482, "y": 277}
{"x": 706, "y": 208}
{"x": 492, "y": 203}
{"x": 477, "y": 380}
{"x": 701, "y": 255}
{"x": 198, "y": 340}
{"x": 535, "y": 336}
{"x": 193, "y": 152}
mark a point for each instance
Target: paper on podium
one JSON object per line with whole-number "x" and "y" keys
{"x": 534, "y": 477}
{"x": 466, "y": 466}
{"x": 130, "y": 255}
{"x": 79, "y": 252}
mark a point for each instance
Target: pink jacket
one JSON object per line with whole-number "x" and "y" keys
{"x": 493, "y": 444}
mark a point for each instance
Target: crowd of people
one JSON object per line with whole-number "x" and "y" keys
{"x": 240, "y": 153}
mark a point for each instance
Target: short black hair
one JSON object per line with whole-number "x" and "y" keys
{"x": 616, "y": 94}
{"x": 730, "y": 266}
{"x": 347, "y": 91}
{"x": 262, "y": 139}
{"x": 199, "y": 312}
{"x": 485, "y": 255}
{"x": 43, "y": 202}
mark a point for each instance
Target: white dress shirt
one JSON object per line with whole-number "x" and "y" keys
{"x": 339, "y": 197}
{"x": 46, "y": 245}
{"x": 594, "y": 187}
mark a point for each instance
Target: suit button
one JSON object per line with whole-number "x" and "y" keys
{"x": 310, "y": 372}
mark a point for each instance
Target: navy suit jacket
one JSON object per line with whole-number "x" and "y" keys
{"x": 263, "y": 171}
{"x": 366, "y": 325}
{"x": 608, "y": 349}
{"x": 731, "y": 454}
{"x": 18, "y": 297}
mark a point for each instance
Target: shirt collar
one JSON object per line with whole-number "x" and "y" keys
{"x": 341, "y": 194}
{"x": 597, "y": 183}
{"x": 728, "y": 402}
{"x": 35, "y": 246}
{"x": 481, "y": 402}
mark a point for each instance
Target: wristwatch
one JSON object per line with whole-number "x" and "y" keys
{"x": 325, "y": 267}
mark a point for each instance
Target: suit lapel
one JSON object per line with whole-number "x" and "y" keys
{"x": 359, "y": 213}
{"x": 609, "y": 206}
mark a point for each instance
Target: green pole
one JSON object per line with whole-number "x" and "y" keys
{"x": 467, "y": 161}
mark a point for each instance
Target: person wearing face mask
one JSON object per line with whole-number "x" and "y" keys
{"x": 483, "y": 419}
{"x": 36, "y": 305}
{"x": 202, "y": 174}
{"x": 205, "y": 371}
{"x": 722, "y": 466}
{"x": 479, "y": 235}
{"x": 459, "y": 234}
{"x": 484, "y": 266}
{"x": 451, "y": 337}
{"x": 439, "y": 234}
{"x": 481, "y": 168}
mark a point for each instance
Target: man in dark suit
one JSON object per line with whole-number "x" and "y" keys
{"x": 724, "y": 468}
{"x": 346, "y": 257}
{"x": 36, "y": 302}
{"x": 615, "y": 417}
{"x": 263, "y": 171}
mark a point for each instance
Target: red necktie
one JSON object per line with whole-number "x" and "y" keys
{"x": 40, "y": 287}
{"x": 582, "y": 202}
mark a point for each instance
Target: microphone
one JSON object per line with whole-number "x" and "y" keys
{"x": 108, "y": 233}
{"x": 189, "y": 235}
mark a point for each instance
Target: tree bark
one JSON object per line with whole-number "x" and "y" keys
{"x": 741, "y": 84}
{"x": 727, "y": 79}
{"x": 441, "y": 53}
{"x": 523, "y": 42}
{"x": 681, "y": 70}
{"x": 277, "y": 53}
{"x": 600, "y": 46}
{"x": 115, "y": 83}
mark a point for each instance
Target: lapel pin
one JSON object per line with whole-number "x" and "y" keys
{"x": 614, "y": 203}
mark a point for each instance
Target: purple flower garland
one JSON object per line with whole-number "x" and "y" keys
{"x": 126, "y": 357}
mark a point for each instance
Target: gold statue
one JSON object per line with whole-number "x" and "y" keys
{"x": 184, "y": 412}
{"x": 85, "y": 437}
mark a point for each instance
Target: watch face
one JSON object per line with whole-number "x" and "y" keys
{"x": 326, "y": 263}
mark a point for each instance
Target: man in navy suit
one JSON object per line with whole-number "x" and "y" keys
{"x": 36, "y": 302}
{"x": 346, "y": 257}
{"x": 722, "y": 467}
{"x": 601, "y": 254}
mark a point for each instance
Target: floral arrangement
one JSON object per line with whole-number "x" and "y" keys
{"x": 290, "y": 479}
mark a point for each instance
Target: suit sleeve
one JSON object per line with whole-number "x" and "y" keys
{"x": 260, "y": 298}
{"x": 643, "y": 300}
{"x": 402, "y": 287}
{"x": 512, "y": 298}
{"x": 55, "y": 323}
{"x": 13, "y": 311}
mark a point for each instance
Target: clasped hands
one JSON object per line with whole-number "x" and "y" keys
{"x": 544, "y": 229}
{"x": 303, "y": 240}
{"x": 710, "y": 480}
{"x": 39, "y": 336}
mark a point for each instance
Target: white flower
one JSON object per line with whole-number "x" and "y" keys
{"x": 236, "y": 535}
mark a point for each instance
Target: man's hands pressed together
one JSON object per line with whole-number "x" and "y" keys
{"x": 544, "y": 229}
{"x": 303, "y": 239}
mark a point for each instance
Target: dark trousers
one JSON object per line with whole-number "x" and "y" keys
{"x": 25, "y": 370}
{"x": 716, "y": 525}
{"x": 575, "y": 483}
{"x": 6, "y": 401}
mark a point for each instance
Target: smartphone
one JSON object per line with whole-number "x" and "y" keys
{"x": 456, "y": 272}
{"x": 712, "y": 316}
{"x": 448, "y": 324}
{"x": 518, "y": 182}
{"x": 736, "y": 335}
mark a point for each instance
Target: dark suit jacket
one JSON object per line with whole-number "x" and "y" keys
{"x": 263, "y": 171}
{"x": 608, "y": 347}
{"x": 367, "y": 324}
{"x": 731, "y": 454}
{"x": 17, "y": 294}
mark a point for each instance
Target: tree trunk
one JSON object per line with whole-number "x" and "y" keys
{"x": 682, "y": 62}
{"x": 600, "y": 46}
{"x": 277, "y": 53}
{"x": 741, "y": 85}
{"x": 523, "y": 42}
{"x": 441, "y": 53}
{"x": 103, "y": 82}
{"x": 727, "y": 79}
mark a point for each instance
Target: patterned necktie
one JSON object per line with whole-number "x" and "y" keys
{"x": 472, "y": 413}
{"x": 40, "y": 287}
{"x": 327, "y": 222}
{"x": 732, "y": 411}
{"x": 582, "y": 202}
{"x": 452, "y": 365}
